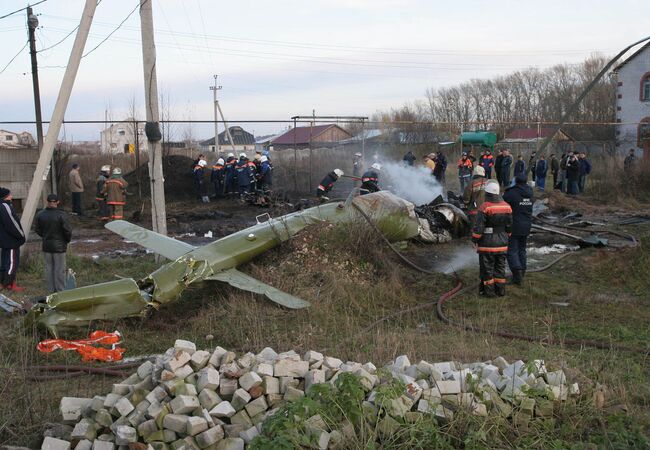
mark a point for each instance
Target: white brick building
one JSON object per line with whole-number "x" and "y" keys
{"x": 120, "y": 137}
{"x": 633, "y": 102}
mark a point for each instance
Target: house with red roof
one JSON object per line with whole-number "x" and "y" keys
{"x": 317, "y": 135}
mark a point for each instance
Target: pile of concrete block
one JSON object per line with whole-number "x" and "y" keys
{"x": 194, "y": 399}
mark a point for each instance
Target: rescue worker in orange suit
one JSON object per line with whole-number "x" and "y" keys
{"x": 104, "y": 173}
{"x": 327, "y": 184}
{"x": 487, "y": 161}
{"x": 115, "y": 191}
{"x": 370, "y": 180}
{"x": 217, "y": 176}
{"x": 490, "y": 235}
{"x": 474, "y": 194}
{"x": 465, "y": 168}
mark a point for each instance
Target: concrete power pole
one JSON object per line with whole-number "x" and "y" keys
{"x": 158, "y": 211}
{"x": 214, "y": 89}
{"x": 40, "y": 174}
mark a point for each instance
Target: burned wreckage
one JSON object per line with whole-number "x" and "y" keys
{"x": 395, "y": 217}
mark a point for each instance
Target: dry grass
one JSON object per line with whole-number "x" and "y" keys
{"x": 351, "y": 281}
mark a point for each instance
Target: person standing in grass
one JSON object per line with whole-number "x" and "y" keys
{"x": 555, "y": 169}
{"x": 12, "y": 238}
{"x": 520, "y": 199}
{"x": 585, "y": 170}
{"x": 53, "y": 226}
{"x": 629, "y": 164}
{"x": 76, "y": 186}
{"x": 572, "y": 173}
{"x": 506, "y": 164}
{"x": 541, "y": 169}
{"x": 520, "y": 166}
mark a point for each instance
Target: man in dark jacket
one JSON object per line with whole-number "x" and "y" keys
{"x": 585, "y": 170}
{"x": 327, "y": 184}
{"x": 104, "y": 173}
{"x": 490, "y": 235}
{"x": 520, "y": 166}
{"x": 11, "y": 238}
{"x": 572, "y": 173}
{"x": 265, "y": 175}
{"x": 487, "y": 162}
{"x": 532, "y": 165}
{"x": 555, "y": 169}
{"x": 217, "y": 176}
{"x": 520, "y": 199}
{"x": 409, "y": 158}
{"x": 498, "y": 164}
{"x": 245, "y": 171}
{"x": 562, "y": 178}
{"x": 53, "y": 226}
{"x": 231, "y": 174}
{"x": 441, "y": 167}
{"x": 465, "y": 168}
{"x": 370, "y": 180}
{"x": 198, "y": 177}
{"x": 541, "y": 170}
{"x": 629, "y": 163}
{"x": 506, "y": 165}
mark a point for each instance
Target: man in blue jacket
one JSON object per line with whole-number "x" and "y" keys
{"x": 506, "y": 164}
{"x": 520, "y": 199}
{"x": 585, "y": 170}
{"x": 520, "y": 166}
{"x": 541, "y": 169}
{"x": 265, "y": 175}
{"x": 11, "y": 238}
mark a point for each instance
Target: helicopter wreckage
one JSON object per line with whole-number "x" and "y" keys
{"x": 396, "y": 218}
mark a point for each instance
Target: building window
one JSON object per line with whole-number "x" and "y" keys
{"x": 121, "y": 131}
{"x": 645, "y": 88}
{"x": 9, "y": 138}
{"x": 643, "y": 133}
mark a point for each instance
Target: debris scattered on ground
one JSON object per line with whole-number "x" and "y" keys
{"x": 195, "y": 399}
{"x": 88, "y": 348}
{"x": 549, "y": 249}
{"x": 9, "y": 306}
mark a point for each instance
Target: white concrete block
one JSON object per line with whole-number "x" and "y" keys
{"x": 264, "y": 369}
{"x": 208, "y": 379}
{"x": 231, "y": 444}
{"x": 227, "y": 387}
{"x": 209, "y": 437}
{"x": 332, "y": 363}
{"x": 71, "y": 407}
{"x": 316, "y": 376}
{"x": 125, "y": 435}
{"x": 240, "y": 398}
{"x": 257, "y": 406}
{"x": 175, "y": 422}
{"x": 208, "y": 398}
{"x": 184, "y": 346}
{"x": 178, "y": 360}
{"x": 50, "y": 443}
{"x": 102, "y": 445}
{"x": 289, "y": 368}
{"x": 223, "y": 409}
{"x": 401, "y": 363}
{"x": 199, "y": 359}
{"x": 271, "y": 385}
{"x": 448, "y": 387}
{"x": 196, "y": 425}
{"x": 124, "y": 406}
{"x": 267, "y": 355}
{"x": 250, "y": 380}
{"x": 313, "y": 356}
{"x": 249, "y": 434}
{"x": 217, "y": 354}
{"x": 184, "y": 404}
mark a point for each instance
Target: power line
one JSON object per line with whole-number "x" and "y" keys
{"x": 59, "y": 42}
{"x": 16, "y": 56}
{"x": 22, "y": 9}
{"x": 117, "y": 28}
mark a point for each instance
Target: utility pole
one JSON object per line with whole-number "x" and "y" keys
{"x": 214, "y": 89}
{"x": 32, "y": 24}
{"x": 158, "y": 211}
{"x": 40, "y": 173}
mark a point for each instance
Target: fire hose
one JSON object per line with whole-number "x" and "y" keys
{"x": 459, "y": 289}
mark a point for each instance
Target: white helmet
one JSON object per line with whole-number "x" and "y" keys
{"x": 117, "y": 171}
{"x": 358, "y": 154}
{"x": 220, "y": 161}
{"x": 338, "y": 172}
{"x": 231, "y": 155}
{"x": 479, "y": 170}
{"x": 106, "y": 168}
{"x": 376, "y": 166}
{"x": 243, "y": 155}
{"x": 202, "y": 163}
{"x": 492, "y": 187}
{"x": 263, "y": 159}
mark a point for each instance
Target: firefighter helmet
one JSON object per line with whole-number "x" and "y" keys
{"x": 338, "y": 172}
{"x": 492, "y": 187}
{"x": 479, "y": 170}
{"x": 117, "y": 171}
{"x": 376, "y": 166}
{"x": 220, "y": 161}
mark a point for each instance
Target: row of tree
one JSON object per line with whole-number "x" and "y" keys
{"x": 521, "y": 98}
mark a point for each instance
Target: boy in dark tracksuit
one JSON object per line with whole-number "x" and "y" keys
{"x": 11, "y": 238}
{"x": 520, "y": 199}
{"x": 490, "y": 235}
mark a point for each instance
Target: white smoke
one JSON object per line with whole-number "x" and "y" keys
{"x": 463, "y": 257}
{"x": 413, "y": 183}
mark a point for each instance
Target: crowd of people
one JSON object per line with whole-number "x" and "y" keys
{"x": 233, "y": 176}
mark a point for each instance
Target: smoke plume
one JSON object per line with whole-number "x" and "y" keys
{"x": 413, "y": 183}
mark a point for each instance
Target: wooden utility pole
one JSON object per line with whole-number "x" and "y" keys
{"x": 42, "y": 167}
{"x": 158, "y": 211}
{"x": 32, "y": 24}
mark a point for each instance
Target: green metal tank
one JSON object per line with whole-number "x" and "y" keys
{"x": 487, "y": 138}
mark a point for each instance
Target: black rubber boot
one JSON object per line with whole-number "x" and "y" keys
{"x": 517, "y": 276}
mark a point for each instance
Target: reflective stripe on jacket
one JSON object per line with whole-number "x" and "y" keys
{"x": 492, "y": 226}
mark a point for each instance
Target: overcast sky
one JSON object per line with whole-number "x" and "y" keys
{"x": 276, "y": 59}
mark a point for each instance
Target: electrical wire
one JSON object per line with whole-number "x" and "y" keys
{"x": 15, "y": 56}
{"x": 115, "y": 30}
{"x": 22, "y": 9}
